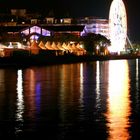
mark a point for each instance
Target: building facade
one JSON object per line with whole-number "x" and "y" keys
{"x": 95, "y": 25}
{"x": 19, "y": 22}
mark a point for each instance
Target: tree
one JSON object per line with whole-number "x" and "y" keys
{"x": 89, "y": 43}
{"x": 94, "y": 43}
{"x": 102, "y": 42}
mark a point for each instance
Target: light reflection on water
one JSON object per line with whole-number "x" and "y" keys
{"x": 81, "y": 85}
{"x": 98, "y": 84}
{"x": 137, "y": 84}
{"x": 30, "y": 78}
{"x": 118, "y": 100}
{"x": 20, "y": 102}
{"x": 82, "y": 100}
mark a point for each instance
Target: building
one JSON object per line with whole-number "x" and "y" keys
{"x": 20, "y": 19}
{"x": 95, "y": 25}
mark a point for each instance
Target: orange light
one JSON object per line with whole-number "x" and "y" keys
{"x": 118, "y": 100}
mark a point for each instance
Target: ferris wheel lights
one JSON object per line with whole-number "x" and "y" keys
{"x": 117, "y": 26}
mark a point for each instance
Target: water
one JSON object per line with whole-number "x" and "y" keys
{"x": 94, "y": 100}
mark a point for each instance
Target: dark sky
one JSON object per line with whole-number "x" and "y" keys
{"x": 79, "y": 8}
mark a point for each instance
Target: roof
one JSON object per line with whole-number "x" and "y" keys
{"x": 55, "y": 28}
{"x": 11, "y": 28}
{"x": 61, "y": 27}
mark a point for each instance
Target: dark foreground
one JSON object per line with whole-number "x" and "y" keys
{"x": 21, "y": 60}
{"x": 99, "y": 100}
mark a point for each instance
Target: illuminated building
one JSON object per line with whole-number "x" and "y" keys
{"x": 35, "y": 32}
{"x": 31, "y": 27}
{"x": 95, "y": 25}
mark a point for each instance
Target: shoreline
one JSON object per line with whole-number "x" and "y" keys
{"x": 37, "y": 60}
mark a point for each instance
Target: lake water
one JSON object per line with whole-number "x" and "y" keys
{"x": 90, "y": 100}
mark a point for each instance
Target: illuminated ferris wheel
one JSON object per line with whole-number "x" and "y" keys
{"x": 117, "y": 26}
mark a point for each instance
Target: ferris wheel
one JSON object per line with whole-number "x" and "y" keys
{"x": 117, "y": 25}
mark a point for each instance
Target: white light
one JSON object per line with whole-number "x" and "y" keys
{"x": 20, "y": 105}
{"x": 117, "y": 26}
{"x": 20, "y": 101}
{"x": 19, "y": 45}
{"x": 98, "y": 84}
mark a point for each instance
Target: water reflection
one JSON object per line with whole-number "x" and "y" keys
{"x": 81, "y": 85}
{"x": 118, "y": 100}
{"x": 31, "y": 88}
{"x": 20, "y": 102}
{"x": 137, "y": 84}
{"x": 97, "y": 79}
{"x": 2, "y": 80}
{"x": 81, "y": 100}
{"x": 70, "y": 88}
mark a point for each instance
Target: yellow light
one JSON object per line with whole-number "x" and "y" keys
{"x": 118, "y": 100}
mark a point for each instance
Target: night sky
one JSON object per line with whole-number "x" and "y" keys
{"x": 80, "y": 8}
